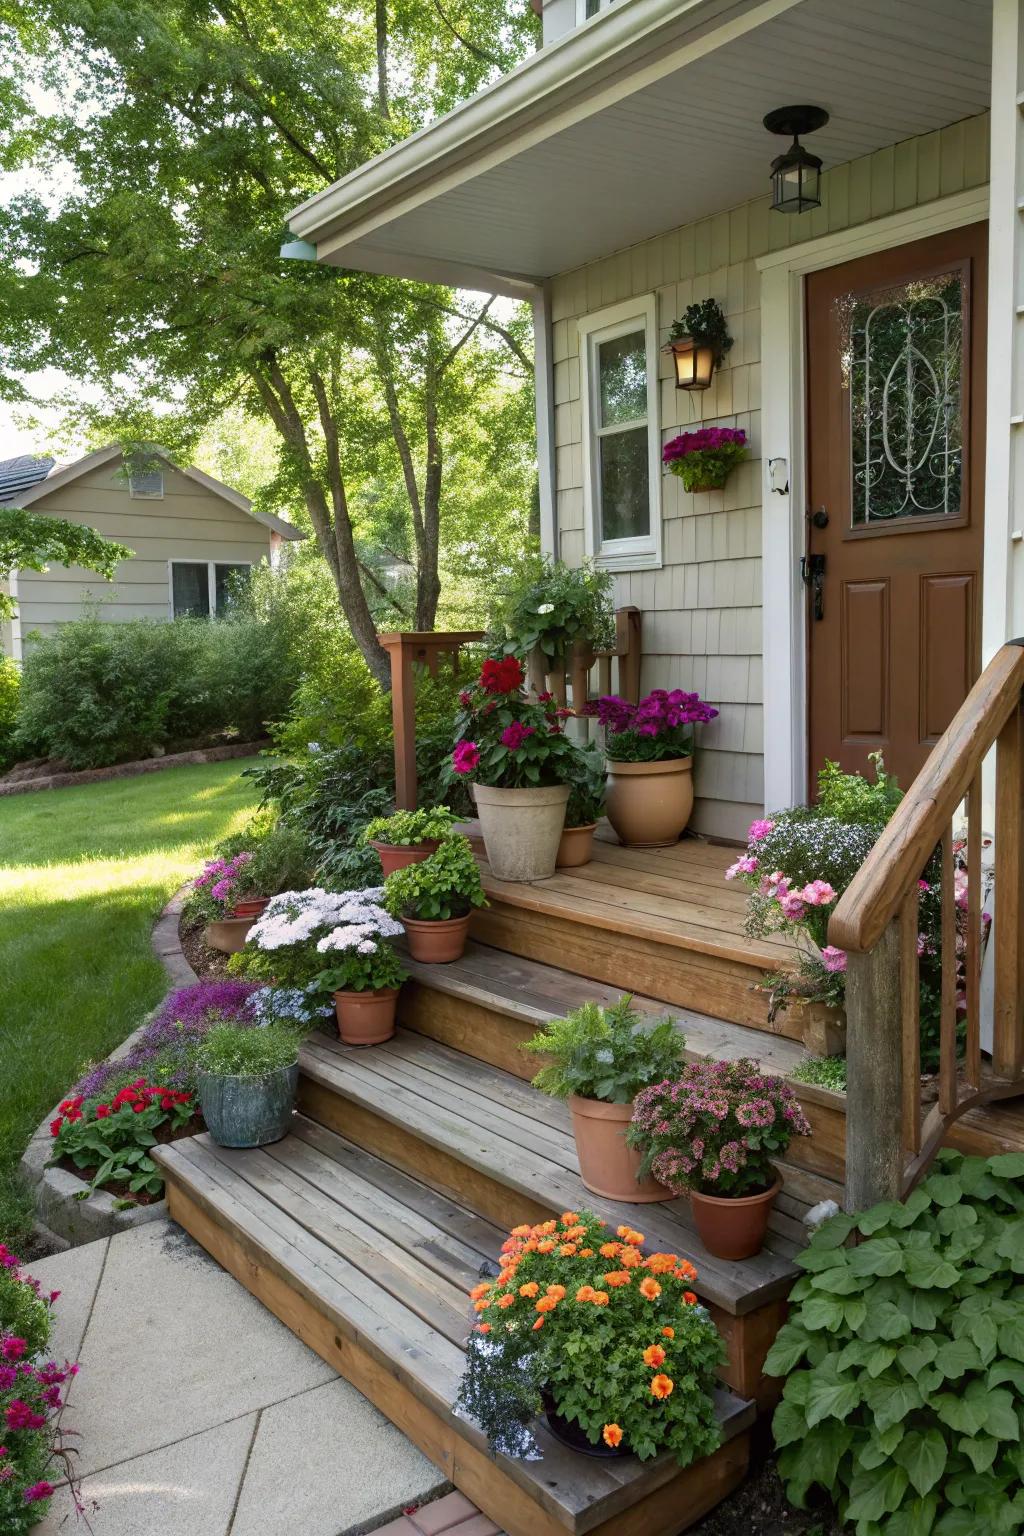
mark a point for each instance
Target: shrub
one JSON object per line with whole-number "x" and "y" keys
{"x": 716, "y": 1128}
{"x": 606, "y": 1053}
{"x": 228, "y": 1051}
{"x": 904, "y": 1358}
{"x": 611, "y": 1341}
{"x": 10, "y": 681}
{"x": 553, "y": 606}
{"x": 407, "y": 828}
{"x": 437, "y": 889}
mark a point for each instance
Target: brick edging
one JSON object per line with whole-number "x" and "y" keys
{"x": 136, "y": 769}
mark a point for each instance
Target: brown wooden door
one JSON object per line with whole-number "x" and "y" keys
{"x": 896, "y": 433}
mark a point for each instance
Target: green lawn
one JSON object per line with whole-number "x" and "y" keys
{"x": 84, "y": 873}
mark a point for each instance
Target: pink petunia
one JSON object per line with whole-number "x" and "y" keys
{"x": 465, "y": 757}
{"x": 833, "y": 959}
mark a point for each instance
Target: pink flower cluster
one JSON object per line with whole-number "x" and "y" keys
{"x": 220, "y": 875}
{"x": 661, "y": 711}
{"x": 31, "y": 1400}
{"x": 515, "y": 734}
{"x": 465, "y": 757}
{"x": 704, "y": 440}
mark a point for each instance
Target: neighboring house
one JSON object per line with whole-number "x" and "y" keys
{"x": 189, "y": 534}
{"x": 622, "y": 173}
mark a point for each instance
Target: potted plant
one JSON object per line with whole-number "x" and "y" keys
{"x": 599, "y": 1060}
{"x": 704, "y": 460}
{"x": 408, "y": 836}
{"x": 520, "y": 763}
{"x": 561, "y": 614}
{"x": 611, "y": 1344}
{"x": 434, "y": 899}
{"x": 247, "y": 1079}
{"x": 713, "y": 1132}
{"x": 584, "y": 809}
{"x": 649, "y": 749}
{"x": 698, "y": 342}
{"x": 338, "y": 942}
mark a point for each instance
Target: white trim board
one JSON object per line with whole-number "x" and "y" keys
{"x": 783, "y": 436}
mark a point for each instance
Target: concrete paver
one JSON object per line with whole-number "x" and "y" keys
{"x": 76, "y": 1274}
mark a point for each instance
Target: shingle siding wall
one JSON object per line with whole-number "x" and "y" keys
{"x": 702, "y": 610}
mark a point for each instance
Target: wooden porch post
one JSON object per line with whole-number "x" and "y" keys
{"x": 874, "y": 1072}
{"x": 403, "y": 719}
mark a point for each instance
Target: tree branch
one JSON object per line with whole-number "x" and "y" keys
{"x": 473, "y": 48}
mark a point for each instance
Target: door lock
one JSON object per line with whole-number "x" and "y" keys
{"x": 812, "y": 571}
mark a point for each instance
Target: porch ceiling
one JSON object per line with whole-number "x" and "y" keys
{"x": 606, "y": 139}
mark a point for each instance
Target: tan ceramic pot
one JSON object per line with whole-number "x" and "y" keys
{"x": 436, "y": 943}
{"x": 366, "y": 1018}
{"x": 397, "y": 855}
{"x": 733, "y": 1229}
{"x": 576, "y": 846}
{"x": 649, "y": 804}
{"x": 521, "y": 829}
{"x": 228, "y": 934}
{"x": 607, "y": 1165}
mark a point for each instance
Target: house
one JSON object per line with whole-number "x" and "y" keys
{"x": 621, "y": 173}
{"x": 189, "y": 533}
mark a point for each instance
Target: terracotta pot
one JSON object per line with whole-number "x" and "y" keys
{"x": 397, "y": 855}
{"x": 521, "y": 829}
{"x": 649, "y": 804}
{"x": 576, "y": 846}
{"x": 438, "y": 942}
{"x": 733, "y": 1229}
{"x": 607, "y": 1166}
{"x": 253, "y": 908}
{"x": 366, "y": 1018}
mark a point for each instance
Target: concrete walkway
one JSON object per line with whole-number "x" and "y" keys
{"x": 199, "y": 1414}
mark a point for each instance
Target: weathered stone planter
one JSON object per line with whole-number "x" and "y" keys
{"x": 248, "y": 1111}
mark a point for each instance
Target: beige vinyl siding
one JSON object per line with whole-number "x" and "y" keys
{"x": 187, "y": 523}
{"x": 702, "y": 610}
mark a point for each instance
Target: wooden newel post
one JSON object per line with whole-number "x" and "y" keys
{"x": 874, "y": 1072}
{"x": 405, "y": 652}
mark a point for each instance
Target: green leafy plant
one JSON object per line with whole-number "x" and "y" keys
{"x": 282, "y": 860}
{"x": 586, "y": 788}
{"x": 228, "y": 1051}
{"x": 555, "y": 606}
{"x": 114, "y": 1138}
{"x": 606, "y": 1053}
{"x": 444, "y": 886}
{"x": 904, "y": 1358}
{"x": 705, "y": 324}
{"x": 504, "y": 740}
{"x": 823, "y": 1071}
{"x": 34, "y": 543}
{"x": 855, "y": 799}
{"x": 407, "y": 828}
{"x": 10, "y": 677}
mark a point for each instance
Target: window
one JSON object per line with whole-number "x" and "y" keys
{"x": 146, "y": 484}
{"x": 621, "y": 439}
{"x": 202, "y": 587}
{"x": 587, "y": 8}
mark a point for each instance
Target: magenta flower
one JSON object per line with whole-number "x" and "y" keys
{"x": 759, "y": 830}
{"x": 833, "y": 959}
{"x": 40, "y": 1490}
{"x": 465, "y": 757}
{"x": 515, "y": 734}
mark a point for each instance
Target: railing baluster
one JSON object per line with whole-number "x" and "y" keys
{"x": 1008, "y": 1025}
{"x": 910, "y": 1007}
{"x": 972, "y": 958}
{"x": 947, "y": 1014}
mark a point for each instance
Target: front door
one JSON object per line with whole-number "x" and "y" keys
{"x": 896, "y": 435}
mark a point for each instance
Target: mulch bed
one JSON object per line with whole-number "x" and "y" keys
{"x": 759, "y": 1508}
{"x": 164, "y": 1134}
{"x": 208, "y": 964}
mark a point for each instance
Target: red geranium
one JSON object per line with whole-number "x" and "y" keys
{"x": 504, "y": 676}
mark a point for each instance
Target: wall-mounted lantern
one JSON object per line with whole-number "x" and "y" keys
{"x": 698, "y": 342}
{"x": 796, "y": 175}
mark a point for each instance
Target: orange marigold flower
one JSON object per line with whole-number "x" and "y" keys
{"x": 508, "y": 1300}
{"x": 531, "y": 1246}
{"x": 478, "y": 1291}
{"x": 523, "y": 1231}
{"x": 505, "y": 1276}
{"x": 661, "y": 1386}
{"x": 690, "y": 1298}
{"x": 609, "y": 1250}
{"x": 611, "y": 1435}
{"x": 547, "y": 1304}
{"x": 585, "y": 1293}
{"x": 483, "y": 1327}
{"x": 661, "y": 1263}
{"x": 546, "y": 1228}
{"x": 617, "y": 1277}
{"x": 654, "y": 1355}
{"x": 529, "y": 1289}
{"x": 649, "y": 1289}
{"x": 600, "y": 1298}
{"x": 635, "y": 1239}
{"x": 509, "y": 1244}
{"x": 629, "y": 1258}
{"x": 586, "y": 1253}
{"x": 480, "y": 1306}
{"x": 538, "y": 1324}
{"x": 570, "y": 1218}
{"x": 687, "y": 1270}
{"x": 567, "y": 1250}
{"x": 557, "y": 1291}
{"x": 668, "y": 1333}
{"x": 574, "y": 1234}
{"x": 547, "y": 1246}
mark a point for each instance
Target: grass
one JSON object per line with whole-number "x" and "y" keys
{"x": 84, "y": 872}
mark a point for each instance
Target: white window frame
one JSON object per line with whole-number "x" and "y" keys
{"x": 146, "y": 495}
{"x": 211, "y": 579}
{"x": 581, "y": 10}
{"x": 637, "y": 554}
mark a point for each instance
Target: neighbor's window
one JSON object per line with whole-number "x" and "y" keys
{"x": 146, "y": 484}
{"x": 202, "y": 587}
{"x": 622, "y": 469}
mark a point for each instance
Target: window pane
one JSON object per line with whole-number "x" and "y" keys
{"x": 190, "y": 587}
{"x": 622, "y": 369}
{"x": 226, "y": 578}
{"x": 625, "y": 498}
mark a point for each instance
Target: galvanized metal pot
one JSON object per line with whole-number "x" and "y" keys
{"x": 248, "y": 1111}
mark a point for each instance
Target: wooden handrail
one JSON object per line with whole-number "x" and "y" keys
{"x": 874, "y": 895}
{"x": 889, "y": 1144}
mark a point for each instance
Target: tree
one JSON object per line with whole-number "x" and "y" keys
{"x": 194, "y": 127}
{"x": 32, "y": 541}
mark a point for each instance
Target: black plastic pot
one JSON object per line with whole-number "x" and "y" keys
{"x": 248, "y": 1111}
{"x": 571, "y": 1435}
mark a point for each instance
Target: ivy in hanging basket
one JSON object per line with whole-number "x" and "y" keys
{"x": 705, "y": 325}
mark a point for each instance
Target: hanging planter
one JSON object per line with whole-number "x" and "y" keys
{"x": 705, "y": 459}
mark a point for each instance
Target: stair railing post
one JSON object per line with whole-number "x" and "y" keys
{"x": 874, "y": 1072}
{"x": 403, "y": 716}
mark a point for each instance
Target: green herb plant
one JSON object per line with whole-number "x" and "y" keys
{"x": 823, "y": 1071}
{"x": 586, "y": 788}
{"x": 230, "y": 1051}
{"x": 437, "y": 889}
{"x": 407, "y": 828}
{"x": 556, "y": 606}
{"x": 904, "y": 1358}
{"x": 606, "y": 1053}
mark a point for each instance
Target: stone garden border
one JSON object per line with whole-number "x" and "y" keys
{"x": 134, "y": 770}
{"x": 64, "y": 1219}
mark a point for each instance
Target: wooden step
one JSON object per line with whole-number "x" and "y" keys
{"x": 370, "y": 1268}
{"x": 488, "y": 1140}
{"x": 662, "y": 921}
{"x": 489, "y": 1002}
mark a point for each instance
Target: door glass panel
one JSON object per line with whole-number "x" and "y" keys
{"x": 625, "y": 502}
{"x": 903, "y": 370}
{"x": 622, "y": 368}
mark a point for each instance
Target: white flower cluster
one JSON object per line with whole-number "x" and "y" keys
{"x": 350, "y": 918}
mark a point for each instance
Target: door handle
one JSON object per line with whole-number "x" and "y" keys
{"x": 812, "y": 570}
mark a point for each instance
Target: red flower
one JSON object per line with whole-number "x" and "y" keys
{"x": 55, "y": 1125}
{"x": 102, "y": 1111}
{"x": 505, "y": 676}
